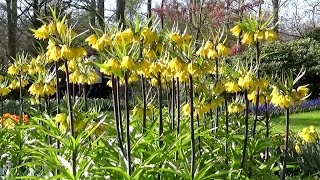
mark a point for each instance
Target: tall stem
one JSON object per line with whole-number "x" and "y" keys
{"x": 115, "y": 111}
{"x": 144, "y": 102}
{"x": 267, "y": 126}
{"x": 258, "y": 92}
{"x": 193, "y": 164}
{"x": 2, "y": 106}
{"x": 217, "y": 109}
{"x": 246, "y": 120}
{"x": 20, "y": 100}
{"x": 160, "y": 114}
{"x": 286, "y": 146}
{"x": 57, "y": 99}
{"x": 160, "y": 110}
{"x": 212, "y": 121}
{"x": 199, "y": 138}
{"x": 178, "y": 112}
{"x": 74, "y": 153}
{"x": 227, "y": 125}
{"x": 126, "y": 99}
{"x": 119, "y": 109}
{"x": 173, "y": 103}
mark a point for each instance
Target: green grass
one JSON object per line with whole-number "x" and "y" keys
{"x": 297, "y": 121}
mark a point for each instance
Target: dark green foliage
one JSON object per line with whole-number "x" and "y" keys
{"x": 314, "y": 34}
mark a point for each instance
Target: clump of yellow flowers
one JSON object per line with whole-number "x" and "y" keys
{"x": 285, "y": 100}
{"x": 307, "y": 136}
{"x": 43, "y": 88}
{"x": 4, "y": 90}
{"x": 249, "y": 37}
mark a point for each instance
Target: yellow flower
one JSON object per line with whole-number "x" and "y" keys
{"x": 36, "y": 89}
{"x": 253, "y": 97}
{"x": 212, "y": 54}
{"x": 258, "y": 36}
{"x": 155, "y": 68}
{"x": 92, "y": 39}
{"x": 208, "y": 45}
{"x": 186, "y": 38}
{"x": 236, "y": 30}
{"x": 102, "y": 42}
{"x": 149, "y": 53}
{"x": 13, "y": 70}
{"x": 193, "y": 69}
{"x": 125, "y": 36}
{"x": 246, "y": 82}
{"x": 66, "y": 52}
{"x": 109, "y": 83}
{"x": 175, "y": 65}
{"x": 127, "y": 63}
{"x": 308, "y": 135}
{"x": 4, "y": 91}
{"x": 186, "y": 109}
{"x": 63, "y": 120}
{"x": 270, "y": 35}
{"x": 236, "y": 108}
{"x": 48, "y": 89}
{"x": 222, "y": 50}
{"x": 283, "y": 101}
{"x": 154, "y": 82}
{"x": 61, "y": 28}
{"x": 231, "y": 87}
{"x": 52, "y": 28}
{"x": 148, "y": 36}
{"x": 303, "y": 90}
{"x": 42, "y": 32}
{"x": 175, "y": 37}
{"x": 247, "y": 38}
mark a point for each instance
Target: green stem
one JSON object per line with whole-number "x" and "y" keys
{"x": 246, "y": 122}
{"x": 258, "y": 92}
{"x": 118, "y": 106}
{"x": 2, "y": 106}
{"x": 144, "y": 102}
{"x": 173, "y": 103}
{"x": 160, "y": 115}
{"x": 286, "y": 146}
{"x": 160, "y": 110}
{"x": 227, "y": 125}
{"x": 178, "y": 113}
{"x": 115, "y": 111}
{"x": 267, "y": 126}
{"x": 126, "y": 99}
{"x": 20, "y": 100}
{"x": 217, "y": 109}
{"x": 193, "y": 164}
{"x": 72, "y": 128}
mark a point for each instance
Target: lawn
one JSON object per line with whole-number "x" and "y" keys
{"x": 297, "y": 121}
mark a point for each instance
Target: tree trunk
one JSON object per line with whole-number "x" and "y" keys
{"x": 100, "y": 9}
{"x": 275, "y": 12}
{"x": 149, "y": 8}
{"x": 92, "y": 13}
{"x": 12, "y": 27}
{"x": 120, "y": 11}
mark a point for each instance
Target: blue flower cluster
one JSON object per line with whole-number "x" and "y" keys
{"x": 305, "y": 106}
